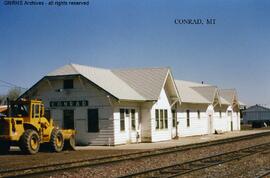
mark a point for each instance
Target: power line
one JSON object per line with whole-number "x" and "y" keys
{"x": 6, "y": 86}
{"x": 7, "y": 82}
{"x": 11, "y": 84}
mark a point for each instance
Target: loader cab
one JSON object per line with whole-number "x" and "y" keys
{"x": 30, "y": 111}
{"x": 19, "y": 109}
{"x": 37, "y": 110}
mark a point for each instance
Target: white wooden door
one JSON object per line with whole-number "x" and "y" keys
{"x": 128, "y": 125}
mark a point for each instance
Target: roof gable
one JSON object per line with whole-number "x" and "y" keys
{"x": 228, "y": 96}
{"x": 191, "y": 92}
{"x": 125, "y": 84}
{"x": 208, "y": 92}
{"x": 65, "y": 70}
{"x": 103, "y": 78}
{"x": 148, "y": 82}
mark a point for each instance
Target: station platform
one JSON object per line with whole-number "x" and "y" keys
{"x": 175, "y": 142}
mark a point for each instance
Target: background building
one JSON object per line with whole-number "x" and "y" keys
{"x": 257, "y": 115}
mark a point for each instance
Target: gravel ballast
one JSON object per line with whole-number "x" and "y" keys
{"x": 128, "y": 167}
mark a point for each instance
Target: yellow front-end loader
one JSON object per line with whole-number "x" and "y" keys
{"x": 26, "y": 126}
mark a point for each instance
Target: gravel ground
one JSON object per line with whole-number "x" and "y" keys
{"x": 16, "y": 159}
{"x": 248, "y": 167}
{"x": 128, "y": 167}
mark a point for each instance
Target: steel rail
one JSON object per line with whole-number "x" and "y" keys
{"x": 195, "y": 165}
{"x": 263, "y": 173}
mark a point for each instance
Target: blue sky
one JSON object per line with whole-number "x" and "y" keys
{"x": 233, "y": 53}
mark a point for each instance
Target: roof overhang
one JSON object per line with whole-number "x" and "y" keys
{"x": 216, "y": 97}
{"x": 27, "y": 92}
{"x": 170, "y": 76}
{"x": 235, "y": 101}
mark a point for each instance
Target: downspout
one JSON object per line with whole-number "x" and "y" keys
{"x": 176, "y": 126}
{"x": 176, "y": 133}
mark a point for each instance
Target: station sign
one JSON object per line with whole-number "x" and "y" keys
{"x": 80, "y": 103}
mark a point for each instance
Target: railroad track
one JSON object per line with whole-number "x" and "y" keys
{"x": 194, "y": 165}
{"x": 263, "y": 173}
{"x": 43, "y": 169}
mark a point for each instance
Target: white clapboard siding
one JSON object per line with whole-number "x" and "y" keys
{"x": 198, "y": 126}
{"x": 105, "y": 134}
{"x": 56, "y": 115}
{"x": 83, "y": 90}
{"x": 236, "y": 121}
{"x": 227, "y": 124}
{"x": 220, "y": 123}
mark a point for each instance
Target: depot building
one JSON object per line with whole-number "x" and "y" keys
{"x": 111, "y": 107}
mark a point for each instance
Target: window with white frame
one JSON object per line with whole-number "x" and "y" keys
{"x": 122, "y": 119}
{"x": 157, "y": 118}
{"x": 229, "y": 113}
{"x": 130, "y": 115}
{"x": 133, "y": 121}
{"x": 68, "y": 84}
{"x": 161, "y": 118}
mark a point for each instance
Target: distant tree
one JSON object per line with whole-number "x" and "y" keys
{"x": 2, "y": 99}
{"x": 14, "y": 93}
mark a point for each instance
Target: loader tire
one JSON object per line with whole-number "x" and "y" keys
{"x": 30, "y": 142}
{"x": 4, "y": 147}
{"x": 56, "y": 141}
{"x": 70, "y": 143}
